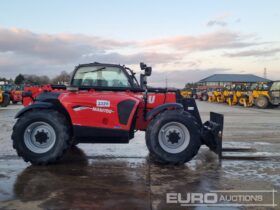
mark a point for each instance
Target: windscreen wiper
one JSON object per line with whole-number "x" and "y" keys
{"x": 94, "y": 70}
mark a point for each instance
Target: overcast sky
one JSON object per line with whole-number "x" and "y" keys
{"x": 183, "y": 40}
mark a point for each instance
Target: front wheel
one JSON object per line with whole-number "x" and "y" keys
{"x": 41, "y": 136}
{"x": 262, "y": 102}
{"x": 6, "y": 100}
{"x": 173, "y": 137}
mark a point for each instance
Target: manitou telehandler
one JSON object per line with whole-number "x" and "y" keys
{"x": 104, "y": 103}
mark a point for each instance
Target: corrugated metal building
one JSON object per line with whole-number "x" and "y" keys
{"x": 227, "y": 79}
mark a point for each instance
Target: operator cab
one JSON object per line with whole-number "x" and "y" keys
{"x": 108, "y": 77}
{"x": 275, "y": 93}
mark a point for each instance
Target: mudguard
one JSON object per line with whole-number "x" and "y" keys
{"x": 161, "y": 108}
{"x": 36, "y": 105}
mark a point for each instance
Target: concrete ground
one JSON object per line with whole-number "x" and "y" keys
{"x": 95, "y": 176}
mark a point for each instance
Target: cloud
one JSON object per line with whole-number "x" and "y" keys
{"x": 26, "y": 52}
{"x": 255, "y": 53}
{"x": 60, "y": 48}
{"x": 22, "y": 51}
{"x": 216, "y": 22}
{"x": 219, "y": 21}
{"x": 178, "y": 78}
{"x": 210, "y": 41}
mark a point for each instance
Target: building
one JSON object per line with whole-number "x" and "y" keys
{"x": 227, "y": 79}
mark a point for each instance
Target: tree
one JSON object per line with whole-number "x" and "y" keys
{"x": 36, "y": 80}
{"x": 191, "y": 85}
{"x": 19, "y": 79}
{"x": 62, "y": 78}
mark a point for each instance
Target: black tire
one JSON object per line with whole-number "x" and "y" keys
{"x": 6, "y": 100}
{"x": 262, "y": 102}
{"x": 62, "y": 140}
{"x": 14, "y": 102}
{"x": 158, "y": 153}
{"x": 204, "y": 97}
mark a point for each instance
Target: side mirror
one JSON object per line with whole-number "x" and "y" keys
{"x": 148, "y": 71}
{"x": 142, "y": 66}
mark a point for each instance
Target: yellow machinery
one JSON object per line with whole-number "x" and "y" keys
{"x": 4, "y": 98}
{"x": 255, "y": 95}
{"x": 216, "y": 95}
{"x": 229, "y": 96}
{"x": 186, "y": 93}
{"x": 235, "y": 94}
{"x": 262, "y": 95}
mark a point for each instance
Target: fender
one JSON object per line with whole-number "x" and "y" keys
{"x": 36, "y": 105}
{"x": 163, "y": 107}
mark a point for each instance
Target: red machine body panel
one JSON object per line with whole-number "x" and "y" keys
{"x": 16, "y": 95}
{"x": 97, "y": 108}
{"x": 100, "y": 109}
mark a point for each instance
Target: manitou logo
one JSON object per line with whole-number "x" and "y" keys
{"x": 151, "y": 99}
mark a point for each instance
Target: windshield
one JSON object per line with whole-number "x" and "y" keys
{"x": 275, "y": 86}
{"x": 259, "y": 86}
{"x": 100, "y": 76}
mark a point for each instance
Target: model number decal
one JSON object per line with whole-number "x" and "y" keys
{"x": 102, "y": 103}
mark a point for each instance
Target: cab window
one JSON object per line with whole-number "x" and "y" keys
{"x": 275, "y": 86}
{"x": 98, "y": 76}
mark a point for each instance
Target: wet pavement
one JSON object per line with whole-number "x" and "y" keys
{"x": 96, "y": 176}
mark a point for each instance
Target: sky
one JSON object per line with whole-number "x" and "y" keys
{"x": 184, "y": 41}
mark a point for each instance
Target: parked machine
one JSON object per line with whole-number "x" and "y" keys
{"x": 265, "y": 95}
{"x": 234, "y": 94}
{"x": 105, "y": 104}
{"x": 216, "y": 95}
{"x": 4, "y": 98}
{"x": 188, "y": 93}
{"x": 14, "y": 91}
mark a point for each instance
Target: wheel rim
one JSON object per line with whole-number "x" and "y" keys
{"x": 174, "y": 137}
{"x": 39, "y": 137}
{"x": 261, "y": 102}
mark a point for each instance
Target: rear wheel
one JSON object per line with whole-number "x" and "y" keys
{"x": 173, "y": 137}
{"x": 6, "y": 100}
{"x": 262, "y": 102}
{"x": 41, "y": 136}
